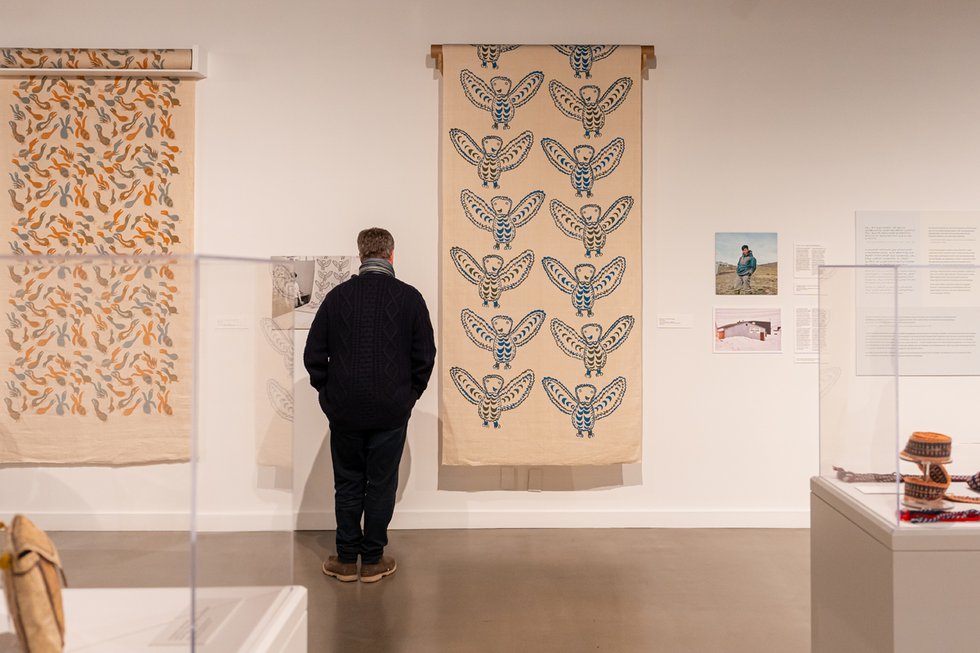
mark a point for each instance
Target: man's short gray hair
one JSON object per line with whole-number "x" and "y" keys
{"x": 375, "y": 243}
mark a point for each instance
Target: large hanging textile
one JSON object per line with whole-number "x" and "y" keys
{"x": 96, "y": 151}
{"x": 540, "y": 255}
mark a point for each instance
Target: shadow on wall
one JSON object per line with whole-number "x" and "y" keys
{"x": 317, "y": 495}
{"x": 547, "y": 478}
{"x": 540, "y": 478}
{"x": 313, "y": 464}
{"x": 314, "y": 469}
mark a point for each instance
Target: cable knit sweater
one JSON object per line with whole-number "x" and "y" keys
{"x": 370, "y": 352}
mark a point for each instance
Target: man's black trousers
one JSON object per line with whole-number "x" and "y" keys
{"x": 365, "y": 472}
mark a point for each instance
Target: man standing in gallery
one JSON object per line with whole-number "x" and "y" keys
{"x": 369, "y": 353}
{"x": 744, "y": 271}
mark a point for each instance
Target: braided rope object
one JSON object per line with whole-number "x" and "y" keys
{"x": 933, "y": 516}
{"x": 847, "y": 476}
{"x": 936, "y": 474}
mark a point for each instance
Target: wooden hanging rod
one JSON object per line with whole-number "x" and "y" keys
{"x": 647, "y": 56}
{"x": 435, "y": 51}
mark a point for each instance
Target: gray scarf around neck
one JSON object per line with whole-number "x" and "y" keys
{"x": 377, "y": 265}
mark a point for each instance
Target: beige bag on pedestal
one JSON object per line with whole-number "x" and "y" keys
{"x": 32, "y": 578}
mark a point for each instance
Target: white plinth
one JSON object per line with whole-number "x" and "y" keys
{"x": 231, "y": 619}
{"x": 880, "y": 588}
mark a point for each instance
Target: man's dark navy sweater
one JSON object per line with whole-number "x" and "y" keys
{"x": 370, "y": 352}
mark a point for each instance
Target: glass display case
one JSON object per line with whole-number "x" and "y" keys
{"x": 146, "y": 424}
{"x": 899, "y": 381}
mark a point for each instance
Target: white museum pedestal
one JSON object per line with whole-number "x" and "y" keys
{"x": 878, "y": 588}
{"x": 231, "y": 619}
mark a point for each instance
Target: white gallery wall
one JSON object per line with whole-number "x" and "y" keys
{"x": 318, "y": 119}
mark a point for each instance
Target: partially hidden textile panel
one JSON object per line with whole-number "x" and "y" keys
{"x": 97, "y": 354}
{"x": 297, "y": 286}
{"x": 540, "y": 257}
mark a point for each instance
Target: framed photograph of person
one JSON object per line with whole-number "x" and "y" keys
{"x": 748, "y": 330}
{"x": 746, "y": 263}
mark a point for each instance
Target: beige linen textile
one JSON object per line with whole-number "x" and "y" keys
{"x": 96, "y": 58}
{"x": 96, "y": 360}
{"x": 552, "y": 97}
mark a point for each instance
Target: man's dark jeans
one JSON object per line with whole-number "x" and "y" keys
{"x": 365, "y": 472}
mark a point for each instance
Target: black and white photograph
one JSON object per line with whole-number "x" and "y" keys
{"x": 300, "y": 283}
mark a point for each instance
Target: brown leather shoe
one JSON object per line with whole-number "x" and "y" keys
{"x": 342, "y": 571}
{"x": 373, "y": 573}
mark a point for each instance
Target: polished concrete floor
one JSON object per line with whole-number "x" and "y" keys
{"x": 624, "y": 590}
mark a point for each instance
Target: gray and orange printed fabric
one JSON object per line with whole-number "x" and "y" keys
{"x": 97, "y": 352}
{"x": 540, "y": 255}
